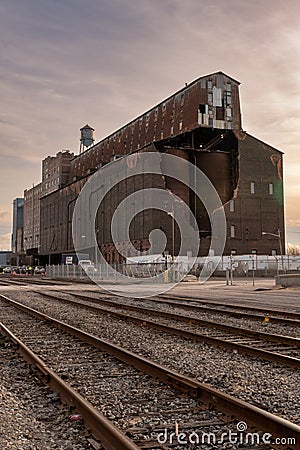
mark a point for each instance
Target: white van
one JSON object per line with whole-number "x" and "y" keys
{"x": 87, "y": 265}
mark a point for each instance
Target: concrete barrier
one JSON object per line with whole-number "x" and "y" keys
{"x": 288, "y": 280}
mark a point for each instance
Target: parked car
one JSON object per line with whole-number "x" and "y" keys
{"x": 87, "y": 265}
{"x": 39, "y": 270}
{"x": 7, "y": 269}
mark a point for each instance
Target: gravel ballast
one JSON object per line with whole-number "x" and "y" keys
{"x": 269, "y": 386}
{"x": 32, "y": 416}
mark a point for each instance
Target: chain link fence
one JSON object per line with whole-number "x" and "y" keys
{"x": 154, "y": 271}
{"x": 239, "y": 265}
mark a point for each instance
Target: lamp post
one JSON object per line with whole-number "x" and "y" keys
{"x": 278, "y": 235}
{"x": 96, "y": 249}
{"x": 172, "y": 214}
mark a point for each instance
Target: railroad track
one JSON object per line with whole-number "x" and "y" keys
{"x": 275, "y": 348}
{"x": 230, "y": 310}
{"x": 27, "y": 280}
{"x": 8, "y": 282}
{"x": 139, "y": 400}
{"x": 258, "y": 313}
{"x": 208, "y": 305}
{"x": 273, "y": 318}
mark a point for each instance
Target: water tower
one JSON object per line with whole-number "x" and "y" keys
{"x": 87, "y": 137}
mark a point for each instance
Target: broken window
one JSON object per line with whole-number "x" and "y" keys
{"x": 217, "y": 97}
{"x": 219, "y": 113}
{"x": 228, "y": 113}
{"x": 202, "y": 109}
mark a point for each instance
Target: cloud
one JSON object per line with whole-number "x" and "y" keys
{"x": 63, "y": 65}
{"x": 4, "y": 215}
{"x": 293, "y": 234}
{"x": 5, "y": 241}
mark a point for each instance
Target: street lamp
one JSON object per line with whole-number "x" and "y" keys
{"x": 96, "y": 249}
{"x": 278, "y": 235}
{"x": 172, "y": 214}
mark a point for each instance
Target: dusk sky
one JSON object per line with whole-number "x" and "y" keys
{"x": 69, "y": 62}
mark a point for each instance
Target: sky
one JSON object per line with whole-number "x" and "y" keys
{"x": 67, "y": 63}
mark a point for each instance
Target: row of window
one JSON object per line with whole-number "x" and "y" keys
{"x": 254, "y": 252}
{"x": 270, "y": 187}
{"x": 232, "y": 231}
{"x": 28, "y": 230}
{"x": 52, "y": 183}
{"x": 252, "y": 191}
{"x": 209, "y": 85}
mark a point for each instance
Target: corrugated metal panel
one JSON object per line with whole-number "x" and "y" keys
{"x": 217, "y": 97}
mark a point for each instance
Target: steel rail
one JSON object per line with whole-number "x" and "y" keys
{"x": 226, "y": 403}
{"x": 287, "y": 320}
{"x": 13, "y": 282}
{"x": 179, "y": 317}
{"x": 37, "y": 280}
{"x": 266, "y": 311}
{"x": 279, "y": 320}
{"x": 110, "y": 436}
{"x": 216, "y": 341}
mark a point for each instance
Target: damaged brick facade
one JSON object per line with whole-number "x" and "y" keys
{"x": 202, "y": 124}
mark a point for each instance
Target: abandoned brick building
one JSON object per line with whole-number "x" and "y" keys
{"x": 202, "y": 124}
